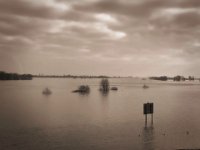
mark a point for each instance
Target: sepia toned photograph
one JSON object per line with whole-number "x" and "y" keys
{"x": 99, "y": 74}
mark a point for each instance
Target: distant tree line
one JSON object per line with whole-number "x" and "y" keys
{"x": 162, "y": 78}
{"x": 69, "y": 76}
{"x": 14, "y": 76}
{"x": 176, "y": 78}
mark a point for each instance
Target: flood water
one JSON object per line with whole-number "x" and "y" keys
{"x": 64, "y": 120}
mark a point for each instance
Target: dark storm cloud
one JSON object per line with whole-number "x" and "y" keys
{"x": 27, "y": 8}
{"x": 135, "y": 9}
{"x": 188, "y": 20}
{"x": 122, "y": 33}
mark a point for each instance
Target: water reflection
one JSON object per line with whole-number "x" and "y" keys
{"x": 104, "y": 101}
{"x": 83, "y": 94}
{"x": 98, "y": 120}
{"x": 104, "y": 93}
{"x": 148, "y": 138}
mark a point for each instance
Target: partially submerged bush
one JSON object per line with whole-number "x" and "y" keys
{"x": 145, "y": 86}
{"x": 46, "y": 91}
{"x": 114, "y": 88}
{"x": 83, "y": 89}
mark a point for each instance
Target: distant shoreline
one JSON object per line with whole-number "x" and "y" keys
{"x": 15, "y": 76}
{"x": 74, "y": 76}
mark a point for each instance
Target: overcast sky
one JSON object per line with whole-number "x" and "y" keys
{"x": 100, "y": 37}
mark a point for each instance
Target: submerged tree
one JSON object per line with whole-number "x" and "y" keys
{"x": 104, "y": 85}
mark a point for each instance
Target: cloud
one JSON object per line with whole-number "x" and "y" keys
{"x": 41, "y": 9}
{"x": 105, "y": 18}
{"x": 115, "y": 33}
{"x": 111, "y": 33}
{"x": 84, "y": 50}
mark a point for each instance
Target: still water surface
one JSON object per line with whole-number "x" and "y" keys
{"x": 113, "y": 121}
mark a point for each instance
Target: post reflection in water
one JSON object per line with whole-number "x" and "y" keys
{"x": 148, "y": 138}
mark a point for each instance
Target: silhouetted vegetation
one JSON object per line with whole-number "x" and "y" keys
{"x": 191, "y": 78}
{"x": 69, "y": 76}
{"x": 161, "y": 78}
{"x": 14, "y": 76}
{"x": 104, "y": 85}
{"x": 114, "y": 88}
{"x": 145, "y": 86}
{"x": 176, "y": 78}
{"x": 179, "y": 78}
{"x": 82, "y": 89}
{"x": 46, "y": 91}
